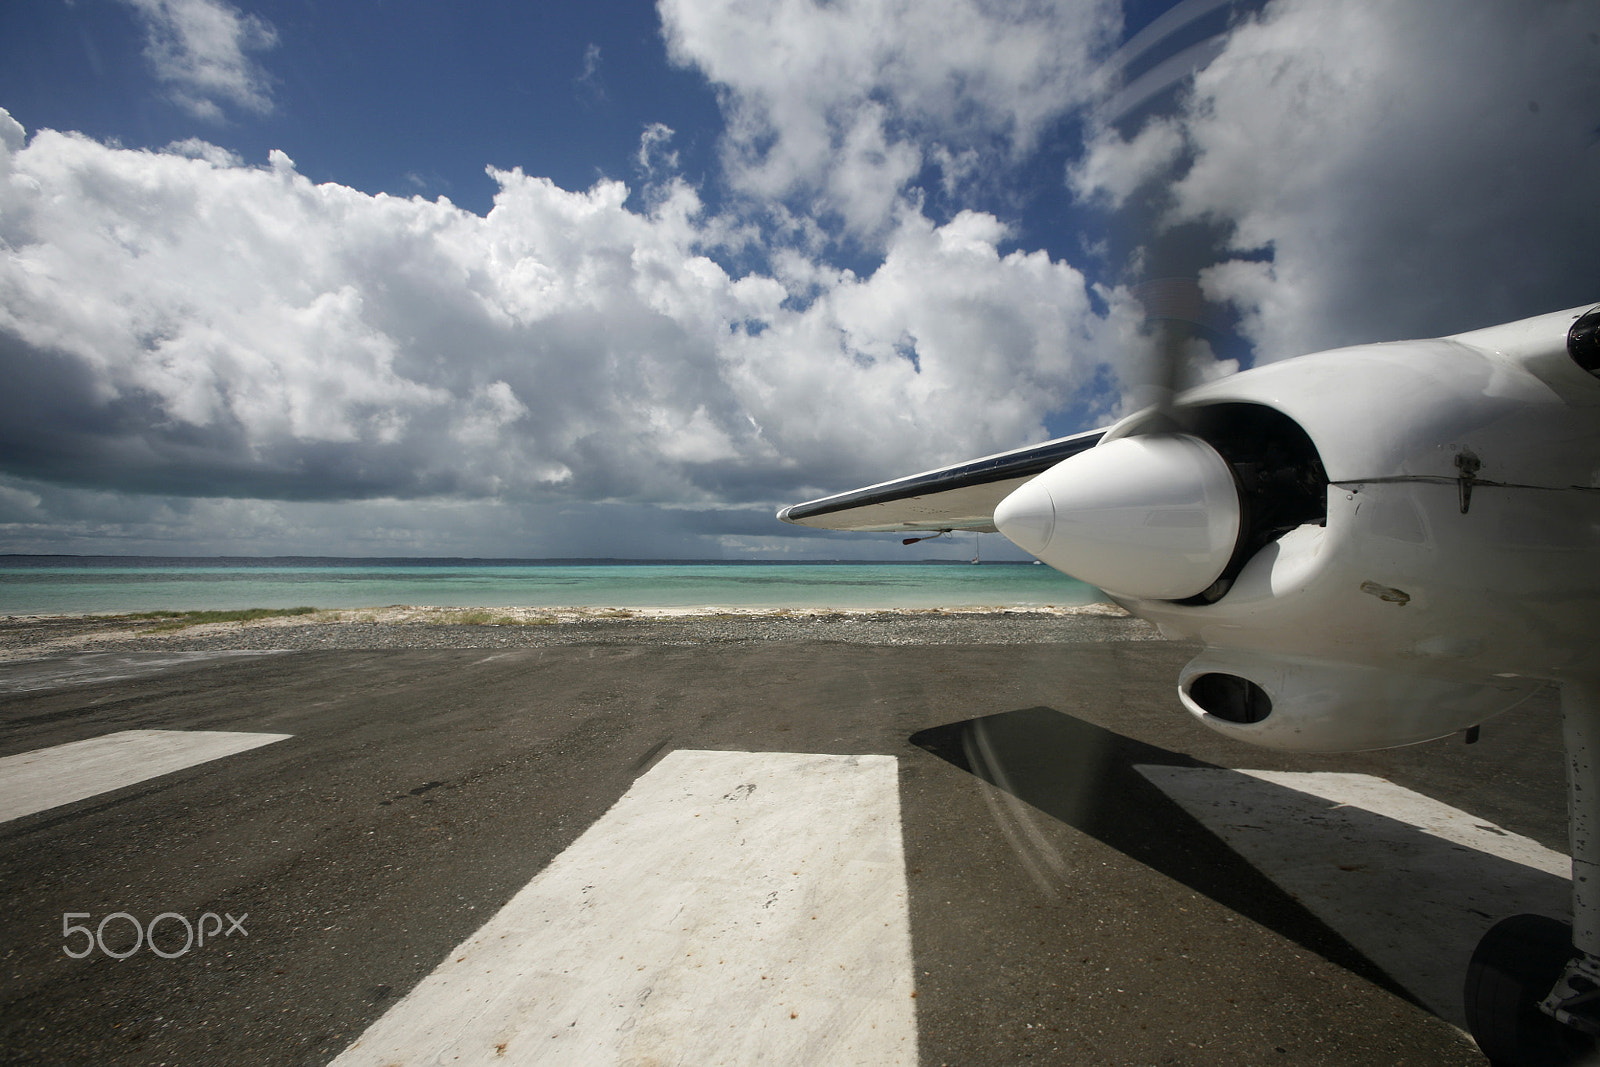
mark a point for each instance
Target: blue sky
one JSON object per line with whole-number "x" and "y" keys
{"x": 398, "y": 96}
{"x": 618, "y": 278}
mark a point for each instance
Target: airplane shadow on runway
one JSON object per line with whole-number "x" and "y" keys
{"x": 1392, "y": 903}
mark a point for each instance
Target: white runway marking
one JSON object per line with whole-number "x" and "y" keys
{"x": 1410, "y": 882}
{"x": 731, "y": 908}
{"x": 49, "y": 777}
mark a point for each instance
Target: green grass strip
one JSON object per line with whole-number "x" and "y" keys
{"x": 178, "y": 620}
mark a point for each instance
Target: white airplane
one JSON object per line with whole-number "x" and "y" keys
{"x": 1376, "y": 545}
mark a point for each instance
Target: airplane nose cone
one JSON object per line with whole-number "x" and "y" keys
{"x": 1028, "y": 517}
{"x": 1154, "y": 516}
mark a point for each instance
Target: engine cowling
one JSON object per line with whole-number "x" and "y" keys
{"x": 1378, "y": 545}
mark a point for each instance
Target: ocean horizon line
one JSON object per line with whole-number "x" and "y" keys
{"x": 476, "y": 561}
{"x": 99, "y": 583}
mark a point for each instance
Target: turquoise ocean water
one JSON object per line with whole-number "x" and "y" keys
{"x": 83, "y": 584}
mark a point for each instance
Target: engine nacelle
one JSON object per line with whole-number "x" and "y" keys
{"x": 1417, "y": 532}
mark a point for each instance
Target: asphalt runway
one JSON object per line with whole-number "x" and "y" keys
{"x": 1065, "y": 900}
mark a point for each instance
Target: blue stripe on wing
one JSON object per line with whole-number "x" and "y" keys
{"x": 1014, "y": 466}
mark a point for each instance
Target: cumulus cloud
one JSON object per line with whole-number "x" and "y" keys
{"x": 200, "y": 49}
{"x": 180, "y": 323}
{"x": 1386, "y": 169}
{"x": 1116, "y": 167}
{"x": 235, "y": 346}
{"x": 840, "y": 106}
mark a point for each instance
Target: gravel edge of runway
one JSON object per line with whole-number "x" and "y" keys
{"x": 34, "y": 637}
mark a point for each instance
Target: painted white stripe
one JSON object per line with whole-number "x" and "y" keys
{"x": 1382, "y": 797}
{"x": 731, "y": 908}
{"x": 49, "y": 777}
{"x": 1411, "y": 882}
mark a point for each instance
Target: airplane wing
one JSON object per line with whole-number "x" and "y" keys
{"x": 959, "y": 497}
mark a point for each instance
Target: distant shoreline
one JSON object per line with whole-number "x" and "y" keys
{"x": 37, "y": 636}
{"x": 39, "y": 586}
{"x": 526, "y": 615}
{"x": 90, "y": 559}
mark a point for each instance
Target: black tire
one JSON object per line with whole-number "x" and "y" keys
{"x": 1512, "y": 970}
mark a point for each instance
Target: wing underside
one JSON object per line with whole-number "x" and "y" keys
{"x": 958, "y": 497}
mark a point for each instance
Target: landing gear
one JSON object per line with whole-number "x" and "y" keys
{"x": 1513, "y": 969}
{"x": 1533, "y": 986}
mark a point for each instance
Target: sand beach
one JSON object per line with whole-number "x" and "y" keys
{"x": 25, "y": 637}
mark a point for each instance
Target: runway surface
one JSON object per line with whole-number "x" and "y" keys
{"x": 798, "y": 852}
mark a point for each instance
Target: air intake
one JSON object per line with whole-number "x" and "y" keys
{"x": 1583, "y": 342}
{"x": 1307, "y": 705}
{"x": 1230, "y": 697}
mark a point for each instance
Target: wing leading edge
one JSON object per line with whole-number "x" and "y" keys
{"x": 958, "y": 497}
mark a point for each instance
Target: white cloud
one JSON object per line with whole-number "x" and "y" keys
{"x": 239, "y": 348}
{"x": 949, "y": 350}
{"x": 842, "y": 104}
{"x": 195, "y": 148}
{"x": 1115, "y": 168}
{"x": 654, "y": 157}
{"x": 590, "y": 83}
{"x": 1410, "y": 169}
{"x": 199, "y": 48}
{"x": 12, "y": 136}
{"x": 181, "y": 323}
